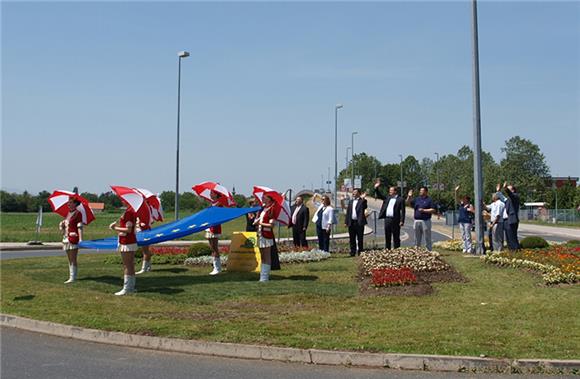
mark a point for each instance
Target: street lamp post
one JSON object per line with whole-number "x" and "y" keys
{"x": 346, "y": 158}
{"x": 336, "y": 108}
{"x": 401, "y": 165}
{"x": 352, "y": 152}
{"x": 438, "y": 183}
{"x": 477, "y": 171}
{"x": 181, "y": 54}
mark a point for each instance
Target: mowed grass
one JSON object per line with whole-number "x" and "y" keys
{"x": 21, "y": 227}
{"x": 499, "y": 312}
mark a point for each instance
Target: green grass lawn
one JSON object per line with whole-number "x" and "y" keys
{"x": 500, "y": 312}
{"x": 20, "y": 227}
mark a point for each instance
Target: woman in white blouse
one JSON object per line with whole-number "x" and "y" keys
{"x": 323, "y": 219}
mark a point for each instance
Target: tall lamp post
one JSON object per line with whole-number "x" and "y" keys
{"x": 438, "y": 183}
{"x": 401, "y": 165}
{"x": 181, "y": 54}
{"x": 336, "y": 108}
{"x": 477, "y": 171}
{"x": 352, "y": 154}
{"x": 346, "y": 158}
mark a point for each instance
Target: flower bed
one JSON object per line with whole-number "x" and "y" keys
{"x": 558, "y": 264}
{"x": 416, "y": 259}
{"x": 293, "y": 257}
{"x": 382, "y": 277}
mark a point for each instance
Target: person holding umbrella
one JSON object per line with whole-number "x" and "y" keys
{"x": 265, "y": 223}
{"x": 156, "y": 212}
{"x": 218, "y": 196}
{"x": 125, "y": 228}
{"x": 77, "y": 213}
{"x": 275, "y": 208}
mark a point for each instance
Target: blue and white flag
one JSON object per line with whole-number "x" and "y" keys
{"x": 198, "y": 222}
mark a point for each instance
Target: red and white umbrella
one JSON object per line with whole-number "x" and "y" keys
{"x": 205, "y": 189}
{"x": 59, "y": 204}
{"x": 281, "y": 206}
{"x": 154, "y": 203}
{"x": 135, "y": 200}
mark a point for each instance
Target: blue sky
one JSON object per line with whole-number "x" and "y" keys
{"x": 89, "y": 89}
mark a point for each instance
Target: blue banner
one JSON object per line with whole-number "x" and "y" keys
{"x": 198, "y": 222}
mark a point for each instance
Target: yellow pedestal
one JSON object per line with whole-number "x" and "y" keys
{"x": 244, "y": 252}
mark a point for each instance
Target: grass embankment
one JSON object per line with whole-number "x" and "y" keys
{"x": 500, "y": 312}
{"x": 20, "y": 227}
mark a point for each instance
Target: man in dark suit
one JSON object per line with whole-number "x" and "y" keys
{"x": 299, "y": 223}
{"x": 393, "y": 212}
{"x": 512, "y": 207}
{"x": 356, "y": 221}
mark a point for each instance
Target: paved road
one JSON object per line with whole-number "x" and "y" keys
{"x": 32, "y": 355}
{"x": 10, "y": 254}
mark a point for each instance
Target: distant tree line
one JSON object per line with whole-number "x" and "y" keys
{"x": 26, "y": 202}
{"x": 523, "y": 164}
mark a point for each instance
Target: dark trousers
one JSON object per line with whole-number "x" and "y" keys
{"x": 392, "y": 228}
{"x": 299, "y": 237}
{"x": 511, "y": 231}
{"x": 356, "y": 234}
{"x": 323, "y": 238}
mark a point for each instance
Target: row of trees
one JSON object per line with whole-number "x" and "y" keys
{"x": 523, "y": 164}
{"x": 25, "y": 202}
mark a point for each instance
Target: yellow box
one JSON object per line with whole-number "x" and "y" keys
{"x": 244, "y": 252}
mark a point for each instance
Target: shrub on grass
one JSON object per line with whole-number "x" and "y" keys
{"x": 573, "y": 243}
{"x": 199, "y": 250}
{"x": 533, "y": 243}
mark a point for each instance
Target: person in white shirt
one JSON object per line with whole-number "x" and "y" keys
{"x": 324, "y": 219}
{"x": 497, "y": 209}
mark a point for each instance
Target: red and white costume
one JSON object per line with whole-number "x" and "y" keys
{"x": 72, "y": 225}
{"x": 128, "y": 241}
{"x": 266, "y": 233}
{"x": 214, "y": 231}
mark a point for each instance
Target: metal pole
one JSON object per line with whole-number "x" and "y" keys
{"x": 346, "y": 158}
{"x": 177, "y": 155}
{"x": 401, "y": 165}
{"x": 352, "y": 154}
{"x": 336, "y": 107}
{"x": 477, "y": 173}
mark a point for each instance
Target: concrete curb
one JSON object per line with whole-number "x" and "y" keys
{"x": 311, "y": 356}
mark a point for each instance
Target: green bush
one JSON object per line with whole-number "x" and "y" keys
{"x": 533, "y": 243}
{"x": 115, "y": 259}
{"x": 168, "y": 259}
{"x": 198, "y": 250}
{"x": 573, "y": 243}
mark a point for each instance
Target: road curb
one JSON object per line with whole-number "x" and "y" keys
{"x": 311, "y": 356}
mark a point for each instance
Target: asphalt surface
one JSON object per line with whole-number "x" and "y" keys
{"x": 32, "y": 355}
{"x": 11, "y": 254}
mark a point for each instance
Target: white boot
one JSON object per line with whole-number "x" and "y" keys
{"x": 265, "y": 272}
{"x": 146, "y": 267}
{"x": 72, "y": 270}
{"x": 217, "y": 266}
{"x": 128, "y": 286}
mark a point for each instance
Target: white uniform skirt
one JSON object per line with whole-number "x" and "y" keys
{"x": 127, "y": 248}
{"x": 265, "y": 242}
{"x": 209, "y": 235}
{"x": 69, "y": 246}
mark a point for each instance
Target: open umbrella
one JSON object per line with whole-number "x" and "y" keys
{"x": 135, "y": 200}
{"x": 59, "y": 204}
{"x": 154, "y": 203}
{"x": 281, "y": 207}
{"x": 205, "y": 189}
